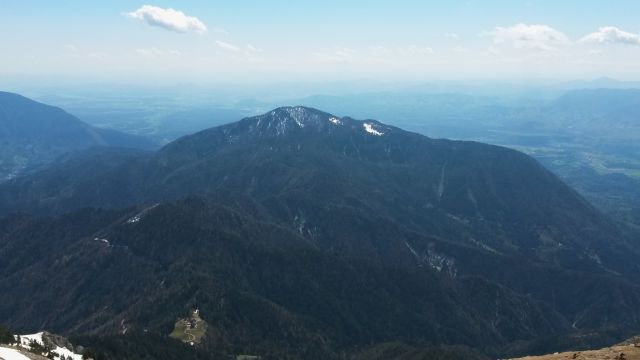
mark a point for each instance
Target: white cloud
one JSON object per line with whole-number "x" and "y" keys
{"x": 243, "y": 53}
{"x": 492, "y": 51}
{"x": 612, "y": 35}
{"x": 155, "y": 52}
{"x": 227, "y": 46}
{"x": 418, "y": 50}
{"x": 374, "y": 55}
{"x": 71, "y": 48}
{"x": 459, "y": 49}
{"x": 169, "y": 19}
{"x": 523, "y": 36}
{"x": 381, "y": 52}
{"x": 220, "y": 31}
{"x": 72, "y": 51}
{"x": 453, "y": 36}
{"x": 340, "y": 55}
{"x": 98, "y": 55}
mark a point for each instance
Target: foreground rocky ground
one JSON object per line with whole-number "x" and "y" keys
{"x": 624, "y": 351}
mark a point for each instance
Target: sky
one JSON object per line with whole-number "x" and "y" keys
{"x": 209, "y": 41}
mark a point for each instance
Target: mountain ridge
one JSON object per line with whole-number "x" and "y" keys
{"x": 35, "y": 134}
{"x": 470, "y": 185}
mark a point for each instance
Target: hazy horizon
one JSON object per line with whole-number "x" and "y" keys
{"x": 192, "y": 42}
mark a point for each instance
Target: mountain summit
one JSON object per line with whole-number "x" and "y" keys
{"x": 300, "y": 119}
{"x": 281, "y": 126}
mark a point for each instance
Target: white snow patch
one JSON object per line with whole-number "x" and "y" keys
{"x": 133, "y": 220}
{"x": 298, "y": 115}
{"x": 436, "y": 261}
{"x": 415, "y": 253}
{"x": 12, "y": 354}
{"x": 63, "y": 353}
{"x": 25, "y": 340}
{"x": 139, "y": 216}
{"x": 335, "y": 121}
{"x": 369, "y": 128}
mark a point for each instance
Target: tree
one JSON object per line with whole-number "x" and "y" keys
{"x": 6, "y": 337}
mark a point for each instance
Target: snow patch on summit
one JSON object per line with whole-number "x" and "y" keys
{"x": 369, "y": 128}
{"x": 297, "y": 114}
{"x": 283, "y": 119}
{"x": 335, "y": 121}
{"x": 101, "y": 240}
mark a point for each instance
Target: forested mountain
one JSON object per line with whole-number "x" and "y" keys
{"x": 299, "y": 234}
{"x": 33, "y": 134}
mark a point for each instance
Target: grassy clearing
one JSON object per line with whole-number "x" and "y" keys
{"x": 190, "y": 330}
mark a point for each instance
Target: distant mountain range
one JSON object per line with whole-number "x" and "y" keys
{"x": 33, "y": 134}
{"x": 598, "y": 111}
{"x": 300, "y": 234}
